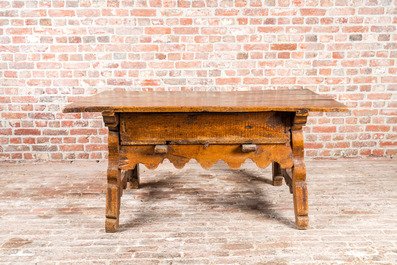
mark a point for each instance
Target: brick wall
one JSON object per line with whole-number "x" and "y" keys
{"x": 53, "y": 52}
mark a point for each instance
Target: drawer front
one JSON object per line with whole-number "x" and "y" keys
{"x": 202, "y": 128}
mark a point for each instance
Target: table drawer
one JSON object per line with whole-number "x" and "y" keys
{"x": 203, "y": 128}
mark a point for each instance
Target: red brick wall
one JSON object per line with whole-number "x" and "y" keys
{"x": 55, "y": 51}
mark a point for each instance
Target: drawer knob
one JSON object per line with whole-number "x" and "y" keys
{"x": 246, "y": 148}
{"x": 161, "y": 149}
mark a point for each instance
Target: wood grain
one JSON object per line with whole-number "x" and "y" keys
{"x": 202, "y": 128}
{"x": 114, "y": 186}
{"x": 179, "y": 155}
{"x": 205, "y": 101}
{"x": 299, "y": 186}
{"x": 148, "y": 127}
{"x": 133, "y": 177}
{"x": 277, "y": 175}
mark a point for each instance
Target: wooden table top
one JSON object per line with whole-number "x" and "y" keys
{"x": 206, "y": 101}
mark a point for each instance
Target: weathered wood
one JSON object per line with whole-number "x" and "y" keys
{"x": 206, "y": 101}
{"x": 114, "y": 186}
{"x": 299, "y": 187}
{"x": 124, "y": 179}
{"x": 134, "y": 179}
{"x": 131, "y": 176}
{"x": 161, "y": 149}
{"x": 277, "y": 174}
{"x": 203, "y": 128}
{"x": 246, "y": 148}
{"x": 287, "y": 173}
{"x": 148, "y": 127}
{"x": 179, "y": 155}
{"x": 111, "y": 119}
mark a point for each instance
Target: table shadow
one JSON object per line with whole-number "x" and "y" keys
{"x": 254, "y": 203}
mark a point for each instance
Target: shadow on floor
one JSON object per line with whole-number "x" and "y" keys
{"x": 170, "y": 185}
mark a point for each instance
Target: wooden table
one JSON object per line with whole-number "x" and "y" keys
{"x": 264, "y": 126}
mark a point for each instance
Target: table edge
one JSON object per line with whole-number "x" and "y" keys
{"x": 75, "y": 109}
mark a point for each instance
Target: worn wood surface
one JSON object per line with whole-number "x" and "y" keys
{"x": 148, "y": 127}
{"x": 179, "y": 155}
{"x": 161, "y": 149}
{"x": 203, "y": 128}
{"x": 299, "y": 186}
{"x": 247, "y": 148}
{"x": 114, "y": 182}
{"x": 205, "y": 101}
{"x": 277, "y": 175}
{"x": 133, "y": 177}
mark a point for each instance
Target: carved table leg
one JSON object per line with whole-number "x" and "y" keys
{"x": 114, "y": 185}
{"x": 277, "y": 174}
{"x": 299, "y": 186}
{"x": 114, "y": 189}
{"x": 134, "y": 177}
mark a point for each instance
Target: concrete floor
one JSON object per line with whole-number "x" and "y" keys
{"x": 54, "y": 213}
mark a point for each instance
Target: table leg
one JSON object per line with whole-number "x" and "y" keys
{"x": 133, "y": 177}
{"x": 277, "y": 174}
{"x": 124, "y": 178}
{"x": 299, "y": 187}
{"x": 114, "y": 185}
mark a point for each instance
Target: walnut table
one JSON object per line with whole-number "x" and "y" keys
{"x": 264, "y": 126}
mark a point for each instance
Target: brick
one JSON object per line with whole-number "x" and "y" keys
{"x": 365, "y": 79}
{"x": 158, "y": 30}
{"x": 228, "y": 81}
{"x": 345, "y": 11}
{"x": 354, "y": 29}
{"x": 285, "y": 46}
{"x": 143, "y": 12}
{"x": 356, "y": 37}
{"x": 383, "y": 96}
{"x": 255, "y": 81}
{"x": 61, "y": 13}
{"x": 42, "y": 116}
{"x": 389, "y": 79}
{"x": 5, "y": 131}
{"x": 19, "y": 31}
{"x": 193, "y": 64}
{"x": 71, "y": 147}
{"x": 270, "y": 29}
{"x": 83, "y": 132}
{"x": 27, "y": 132}
{"x": 49, "y": 65}
{"x": 88, "y": 13}
{"x": 371, "y": 11}
{"x": 378, "y": 128}
{"x": 255, "y": 12}
{"x": 383, "y": 29}
{"x": 133, "y": 65}
{"x": 55, "y": 132}
{"x": 16, "y": 148}
{"x": 115, "y": 12}
{"x": 44, "y": 148}
{"x": 312, "y": 12}
{"x": 283, "y": 80}
{"x": 186, "y": 30}
{"x": 13, "y": 115}
{"x": 96, "y": 147}
{"x": 324, "y": 129}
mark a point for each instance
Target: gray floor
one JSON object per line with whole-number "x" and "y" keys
{"x": 54, "y": 213}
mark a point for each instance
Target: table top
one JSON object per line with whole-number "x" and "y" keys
{"x": 205, "y": 101}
